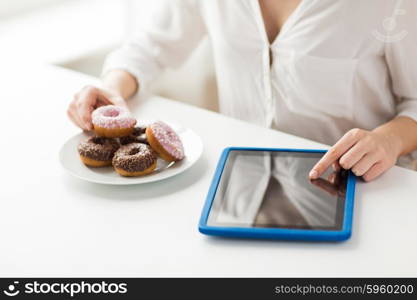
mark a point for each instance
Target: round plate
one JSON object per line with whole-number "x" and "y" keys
{"x": 70, "y": 160}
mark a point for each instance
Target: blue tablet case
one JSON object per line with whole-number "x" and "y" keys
{"x": 277, "y": 233}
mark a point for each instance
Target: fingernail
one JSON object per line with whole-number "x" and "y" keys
{"x": 313, "y": 174}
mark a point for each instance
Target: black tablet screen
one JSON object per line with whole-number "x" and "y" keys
{"x": 272, "y": 189}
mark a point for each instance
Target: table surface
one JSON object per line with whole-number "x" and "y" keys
{"x": 52, "y": 224}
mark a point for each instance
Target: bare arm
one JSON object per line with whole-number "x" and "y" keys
{"x": 405, "y": 130}
{"x": 121, "y": 83}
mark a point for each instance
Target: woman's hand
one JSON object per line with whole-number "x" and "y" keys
{"x": 366, "y": 153}
{"x": 119, "y": 85}
{"x": 87, "y": 100}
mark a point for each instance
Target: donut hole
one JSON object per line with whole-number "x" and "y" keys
{"x": 134, "y": 151}
{"x": 111, "y": 113}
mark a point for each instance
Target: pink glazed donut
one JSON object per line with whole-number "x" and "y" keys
{"x": 113, "y": 121}
{"x": 165, "y": 141}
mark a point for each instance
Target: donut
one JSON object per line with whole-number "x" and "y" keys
{"x": 97, "y": 151}
{"x": 112, "y": 121}
{"x": 138, "y": 136}
{"x": 165, "y": 141}
{"x": 134, "y": 159}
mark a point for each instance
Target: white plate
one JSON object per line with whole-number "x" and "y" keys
{"x": 70, "y": 160}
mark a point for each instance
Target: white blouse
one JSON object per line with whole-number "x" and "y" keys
{"x": 337, "y": 64}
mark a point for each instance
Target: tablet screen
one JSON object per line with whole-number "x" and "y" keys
{"x": 272, "y": 189}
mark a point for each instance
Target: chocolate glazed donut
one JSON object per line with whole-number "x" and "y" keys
{"x": 97, "y": 151}
{"x": 134, "y": 159}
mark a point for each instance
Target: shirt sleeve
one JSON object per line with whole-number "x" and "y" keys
{"x": 401, "y": 52}
{"x": 175, "y": 29}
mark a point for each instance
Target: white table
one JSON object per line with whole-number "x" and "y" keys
{"x": 52, "y": 224}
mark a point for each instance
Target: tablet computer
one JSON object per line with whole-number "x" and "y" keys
{"x": 266, "y": 193}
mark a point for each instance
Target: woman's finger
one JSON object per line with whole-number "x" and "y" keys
{"x": 365, "y": 164}
{"x": 72, "y": 118}
{"x": 103, "y": 97}
{"x": 84, "y": 114}
{"x": 102, "y": 102}
{"x": 86, "y": 104}
{"x": 119, "y": 101}
{"x": 376, "y": 170}
{"x": 73, "y": 115}
{"x": 352, "y": 156}
{"x": 335, "y": 152}
{"x": 84, "y": 125}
